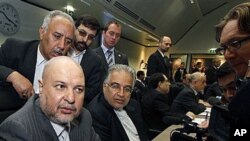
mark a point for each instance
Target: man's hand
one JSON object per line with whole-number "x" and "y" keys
{"x": 21, "y": 84}
{"x": 191, "y": 115}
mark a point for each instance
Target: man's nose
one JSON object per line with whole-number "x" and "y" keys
{"x": 70, "y": 97}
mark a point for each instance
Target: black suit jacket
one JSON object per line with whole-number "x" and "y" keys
{"x": 156, "y": 111}
{"x": 120, "y": 58}
{"x": 107, "y": 124}
{"x": 211, "y": 76}
{"x": 239, "y": 106}
{"x": 157, "y": 64}
{"x": 186, "y": 101}
{"x": 30, "y": 124}
{"x": 16, "y": 55}
{"x": 93, "y": 71}
{"x": 177, "y": 76}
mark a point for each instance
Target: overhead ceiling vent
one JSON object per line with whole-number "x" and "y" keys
{"x": 108, "y": 1}
{"x": 126, "y": 10}
{"x": 147, "y": 24}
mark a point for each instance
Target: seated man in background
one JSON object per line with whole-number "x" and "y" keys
{"x": 180, "y": 73}
{"x": 218, "y": 125}
{"x": 139, "y": 85}
{"x": 22, "y": 62}
{"x": 57, "y": 111}
{"x": 226, "y": 82}
{"x": 187, "y": 99}
{"x": 116, "y": 117}
{"x": 156, "y": 110}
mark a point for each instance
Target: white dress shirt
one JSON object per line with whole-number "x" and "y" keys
{"x": 40, "y": 63}
{"x": 128, "y": 125}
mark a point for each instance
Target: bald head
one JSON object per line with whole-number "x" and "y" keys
{"x": 62, "y": 87}
{"x": 165, "y": 44}
{"x": 61, "y": 63}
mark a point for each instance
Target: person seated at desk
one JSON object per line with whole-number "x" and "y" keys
{"x": 226, "y": 81}
{"x": 57, "y": 111}
{"x": 218, "y": 125}
{"x": 156, "y": 110}
{"x": 187, "y": 99}
{"x": 117, "y": 117}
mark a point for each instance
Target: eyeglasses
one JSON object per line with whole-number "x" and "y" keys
{"x": 116, "y": 87}
{"x": 231, "y": 46}
{"x": 83, "y": 33}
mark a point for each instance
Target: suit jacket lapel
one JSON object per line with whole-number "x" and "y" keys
{"x": 99, "y": 51}
{"x": 44, "y": 123}
{"x": 31, "y": 57}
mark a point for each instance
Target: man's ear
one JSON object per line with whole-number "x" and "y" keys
{"x": 159, "y": 84}
{"x": 42, "y": 31}
{"x": 40, "y": 86}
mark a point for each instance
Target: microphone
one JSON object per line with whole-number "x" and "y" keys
{"x": 214, "y": 101}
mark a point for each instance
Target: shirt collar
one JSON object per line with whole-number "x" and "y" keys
{"x": 58, "y": 128}
{"x": 105, "y": 49}
{"x": 73, "y": 53}
{"x": 40, "y": 58}
{"x": 162, "y": 54}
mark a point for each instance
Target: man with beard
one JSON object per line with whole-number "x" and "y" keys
{"x": 158, "y": 62}
{"x": 22, "y": 62}
{"x": 57, "y": 111}
{"x": 87, "y": 27}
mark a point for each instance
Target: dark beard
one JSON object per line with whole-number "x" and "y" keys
{"x": 80, "y": 46}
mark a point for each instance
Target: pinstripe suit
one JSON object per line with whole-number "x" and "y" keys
{"x": 30, "y": 124}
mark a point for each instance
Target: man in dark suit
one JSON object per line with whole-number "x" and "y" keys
{"x": 57, "y": 111}
{"x": 116, "y": 117}
{"x": 87, "y": 27}
{"x": 156, "y": 110}
{"x": 110, "y": 37}
{"x": 233, "y": 35}
{"x": 180, "y": 73}
{"x": 187, "y": 99}
{"x": 21, "y": 62}
{"x": 139, "y": 85}
{"x": 140, "y": 82}
{"x": 158, "y": 62}
{"x": 210, "y": 72}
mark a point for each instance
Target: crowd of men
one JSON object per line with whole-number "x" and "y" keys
{"x": 58, "y": 88}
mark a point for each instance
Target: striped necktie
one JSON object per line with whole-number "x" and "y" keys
{"x": 110, "y": 60}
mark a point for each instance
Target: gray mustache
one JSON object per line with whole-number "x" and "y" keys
{"x": 58, "y": 51}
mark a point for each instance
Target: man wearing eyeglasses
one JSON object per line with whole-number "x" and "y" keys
{"x": 87, "y": 27}
{"x": 116, "y": 117}
{"x": 111, "y": 35}
{"x": 158, "y": 62}
{"x": 233, "y": 34}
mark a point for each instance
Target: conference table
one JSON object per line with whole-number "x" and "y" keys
{"x": 166, "y": 134}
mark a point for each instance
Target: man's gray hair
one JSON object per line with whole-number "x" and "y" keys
{"x": 120, "y": 67}
{"x": 55, "y": 13}
{"x": 196, "y": 76}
